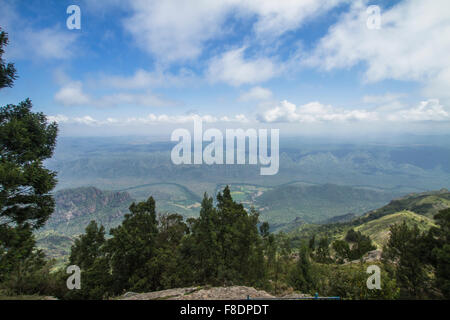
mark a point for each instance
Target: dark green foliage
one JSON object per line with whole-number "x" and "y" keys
{"x": 18, "y": 258}
{"x": 361, "y": 244}
{"x": 280, "y": 266}
{"x": 441, "y": 251}
{"x": 7, "y": 71}
{"x": 87, "y": 247}
{"x": 405, "y": 250}
{"x": 443, "y": 269}
{"x": 269, "y": 245}
{"x": 312, "y": 243}
{"x": 225, "y": 242}
{"x": 323, "y": 251}
{"x": 132, "y": 245}
{"x": 204, "y": 239}
{"x": 354, "y": 247}
{"x": 163, "y": 268}
{"x": 89, "y": 254}
{"x": 26, "y": 140}
{"x": 301, "y": 277}
{"x": 349, "y": 282}
{"x": 352, "y": 236}
{"x": 147, "y": 254}
{"x": 342, "y": 250}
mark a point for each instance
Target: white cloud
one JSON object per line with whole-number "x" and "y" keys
{"x": 285, "y": 112}
{"x": 313, "y": 112}
{"x": 72, "y": 94}
{"x": 58, "y": 118}
{"x": 256, "y": 94}
{"x": 145, "y": 79}
{"x": 439, "y": 86}
{"x": 430, "y": 110}
{"x": 87, "y": 120}
{"x": 137, "y": 99}
{"x": 177, "y": 30}
{"x": 412, "y": 44}
{"x": 234, "y": 69}
{"x": 149, "y": 119}
{"x": 30, "y": 42}
{"x": 278, "y": 17}
{"x": 49, "y": 43}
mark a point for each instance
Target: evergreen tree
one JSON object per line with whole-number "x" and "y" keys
{"x": 26, "y": 140}
{"x": 405, "y": 249}
{"x": 7, "y": 71}
{"x": 164, "y": 267}
{"x": 342, "y": 250}
{"x": 132, "y": 245}
{"x": 301, "y": 277}
{"x": 441, "y": 251}
{"x": 312, "y": 243}
{"x": 224, "y": 243}
{"x": 19, "y": 259}
{"x": 323, "y": 251}
{"x": 239, "y": 239}
{"x": 88, "y": 253}
{"x": 205, "y": 235}
{"x": 282, "y": 259}
{"x": 361, "y": 244}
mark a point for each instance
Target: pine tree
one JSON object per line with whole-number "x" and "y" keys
{"x": 26, "y": 140}
{"x": 89, "y": 254}
{"x": 441, "y": 251}
{"x": 405, "y": 249}
{"x": 224, "y": 245}
{"x": 342, "y": 250}
{"x": 132, "y": 245}
{"x": 323, "y": 251}
{"x": 301, "y": 277}
{"x": 164, "y": 267}
{"x": 205, "y": 239}
{"x": 7, "y": 71}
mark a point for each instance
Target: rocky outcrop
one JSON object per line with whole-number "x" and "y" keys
{"x": 214, "y": 293}
{"x": 72, "y": 203}
{"x": 371, "y": 256}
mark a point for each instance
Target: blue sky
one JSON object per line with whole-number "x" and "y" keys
{"x": 146, "y": 67}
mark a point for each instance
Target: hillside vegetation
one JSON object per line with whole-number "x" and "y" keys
{"x": 413, "y": 209}
{"x": 314, "y": 203}
{"x": 378, "y": 229}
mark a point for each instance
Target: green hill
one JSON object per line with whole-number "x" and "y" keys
{"x": 315, "y": 203}
{"x": 415, "y": 209}
{"x": 378, "y": 229}
{"x": 426, "y": 203}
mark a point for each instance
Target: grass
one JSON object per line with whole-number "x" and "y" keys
{"x": 378, "y": 230}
